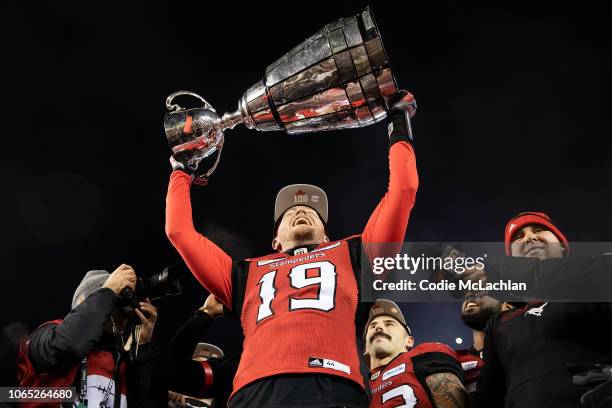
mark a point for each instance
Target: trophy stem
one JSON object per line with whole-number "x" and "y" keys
{"x": 228, "y": 120}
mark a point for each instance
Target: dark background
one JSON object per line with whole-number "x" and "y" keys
{"x": 514, "y": 115}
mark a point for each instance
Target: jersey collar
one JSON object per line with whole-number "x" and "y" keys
{"x": 301, "y": 250}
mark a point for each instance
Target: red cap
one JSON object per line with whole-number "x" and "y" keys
{"x": 527, "y": 218}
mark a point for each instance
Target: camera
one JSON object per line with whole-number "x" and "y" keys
{"x": 164, "y": 284}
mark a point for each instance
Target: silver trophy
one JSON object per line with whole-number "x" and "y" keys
{"x": 338, "y": 78}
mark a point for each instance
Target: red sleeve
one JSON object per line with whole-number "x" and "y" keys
{"x": 210, "y": 265}
{"x": 388, "y": 222}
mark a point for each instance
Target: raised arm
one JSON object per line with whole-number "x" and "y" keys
{"x": 210, "y": 265}
{"x": 389, "y": 220}
{"x": 211, "y": 378}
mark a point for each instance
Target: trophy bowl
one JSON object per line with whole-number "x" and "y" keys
{"x": 338, "y": 78}
{"x": 192, "y": 133}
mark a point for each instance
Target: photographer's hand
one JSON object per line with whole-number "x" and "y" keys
{"x": 212, "y": 307}
{"x": 474, "y": 274}
{"x": 148, "y": 319}
{"x": 122, "y": 277}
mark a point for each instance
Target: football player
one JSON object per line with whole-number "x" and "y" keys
{"x": 198, "y": 372}
{"x": 476, "y": 310}
{"x": 425, "y": 376}
{"x": 298, "y": 305}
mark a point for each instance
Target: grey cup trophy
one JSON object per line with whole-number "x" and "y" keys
{"x": 338, "y": 78}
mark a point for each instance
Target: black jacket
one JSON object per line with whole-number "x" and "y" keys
{"x": 527, "y": 349}
{"x": 56, "y": 348}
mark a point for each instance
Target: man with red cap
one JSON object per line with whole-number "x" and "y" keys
{"x": 299, "y": 305}
{"x": 426, "y": 376}
{"x": 528, "y": 348}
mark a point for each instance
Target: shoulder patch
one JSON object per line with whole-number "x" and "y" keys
{"x": 469, "y": 365}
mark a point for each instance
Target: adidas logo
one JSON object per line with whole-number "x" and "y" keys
{"x": 315, "y": 362}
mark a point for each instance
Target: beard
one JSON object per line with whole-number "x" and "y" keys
{"x": 478, "y": 321}
{"x": 303, "y": 234}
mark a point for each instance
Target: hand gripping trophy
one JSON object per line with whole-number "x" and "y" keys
{"x": 336, "y": 79}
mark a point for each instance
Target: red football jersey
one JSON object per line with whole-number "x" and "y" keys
{"x": 471, "y": 363}
{"x": 401, "y": 383}
{"x": 298, "y": 312}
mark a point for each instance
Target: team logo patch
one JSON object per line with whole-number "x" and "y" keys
{"x": 300, "y": 251}
{"x": 374, "y": 376}
{"x": 468, "y": 365}
{"x": 316, "y": 362}
{"x": 536, "y": 311}
{"x": 394, "y": 371}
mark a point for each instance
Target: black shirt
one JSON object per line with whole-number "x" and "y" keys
{"x": 527, "y": 351}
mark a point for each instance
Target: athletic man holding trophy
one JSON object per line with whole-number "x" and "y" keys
{"x": 299, "y": 307}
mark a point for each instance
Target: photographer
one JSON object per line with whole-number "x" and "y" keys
{"x": 88, "y": 349}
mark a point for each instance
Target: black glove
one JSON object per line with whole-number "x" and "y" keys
{"x": 198, "y": 174}
{"x": 398, "y": 120}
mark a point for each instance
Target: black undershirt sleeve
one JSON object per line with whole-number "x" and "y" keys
{"x": 240, "y": 271}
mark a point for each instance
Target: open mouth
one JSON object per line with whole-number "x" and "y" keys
{"x": 471, "y": 308}
{"x": 301, "y": 221}
{"x": 534, "y": 251}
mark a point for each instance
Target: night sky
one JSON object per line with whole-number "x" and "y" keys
{"x": 514, "y": 115}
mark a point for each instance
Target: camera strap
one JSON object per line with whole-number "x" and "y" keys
{"x": 83, "y": 384}
{"x": 113, "y": 380}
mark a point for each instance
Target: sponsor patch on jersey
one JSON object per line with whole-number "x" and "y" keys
{"x": 468, "y": 365}
{"x": 394, "y": 371}
{"x": 327, "y": 247}
{"x": 317, "y": 362}
{"x": 374, "y": 376}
